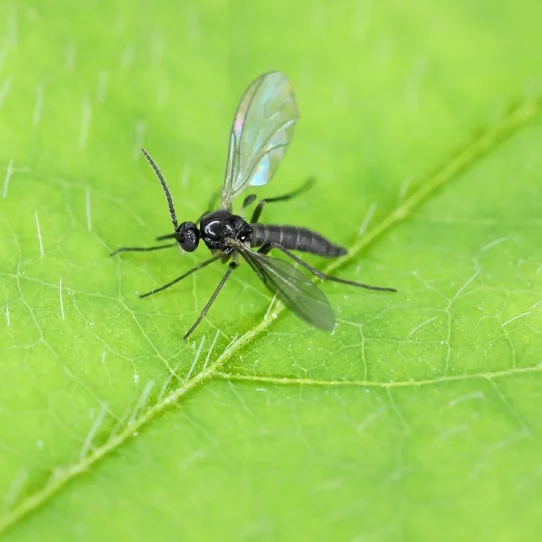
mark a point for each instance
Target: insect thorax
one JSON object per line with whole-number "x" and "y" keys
{"x": 220, "y": 228}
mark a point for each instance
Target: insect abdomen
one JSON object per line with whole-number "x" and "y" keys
{"x": 294, "y": 238}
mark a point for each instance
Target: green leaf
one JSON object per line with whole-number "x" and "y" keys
{"x": 417, "y": 419}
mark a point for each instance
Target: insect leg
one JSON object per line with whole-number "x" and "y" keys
{"x": 142, "y": 249}
{"x": 198, "y": 267}
{"x": 264, "y": 249}
{"x": 166, "y": 236}
{"x": 258, "y": 210}
{"x": 231, "y": 267}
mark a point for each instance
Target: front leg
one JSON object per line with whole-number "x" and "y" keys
{"x": 142, "y": 249}
{"x": 184, "y": 275}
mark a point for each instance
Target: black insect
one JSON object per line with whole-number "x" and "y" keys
{"x": 262, "y": 130}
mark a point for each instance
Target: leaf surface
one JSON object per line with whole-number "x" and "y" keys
{"x": 417, "y": 419}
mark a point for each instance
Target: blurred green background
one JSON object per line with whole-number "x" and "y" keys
{"x": 417, "y": 419}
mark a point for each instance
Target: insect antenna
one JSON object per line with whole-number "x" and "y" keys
{"x": 164, "y": 188}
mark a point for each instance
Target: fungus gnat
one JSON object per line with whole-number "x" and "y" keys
{"x": 263, "y": 127}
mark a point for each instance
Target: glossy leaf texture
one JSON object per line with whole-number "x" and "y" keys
{"x": 417, "y": 419}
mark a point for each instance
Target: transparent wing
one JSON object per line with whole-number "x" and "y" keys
{"x": 293, "y": 288}
{"x": 262, "y": 129}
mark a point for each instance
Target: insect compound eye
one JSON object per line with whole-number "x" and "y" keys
{"x": 188, "y": 236}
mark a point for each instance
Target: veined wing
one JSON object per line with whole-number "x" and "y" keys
{"x": 292, "y": 287}
{"x": 262, "y": 129}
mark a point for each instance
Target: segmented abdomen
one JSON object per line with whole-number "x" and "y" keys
{"x": 294, "y": 238}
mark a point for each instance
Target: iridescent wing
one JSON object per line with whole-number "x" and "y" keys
{"x": 262, "y": 129}
{"x": 292, "y": 287}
